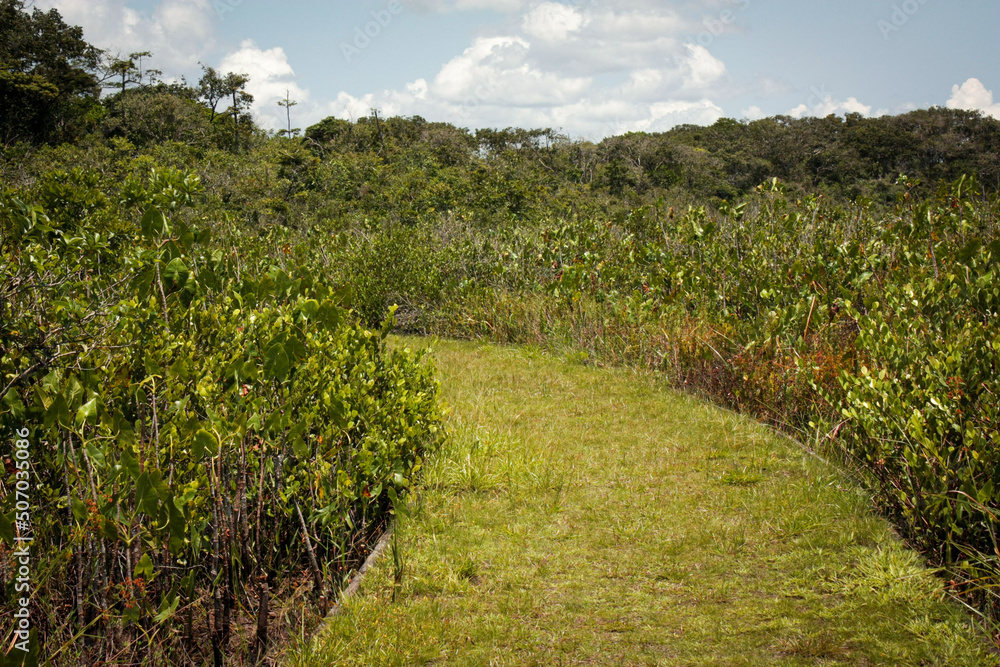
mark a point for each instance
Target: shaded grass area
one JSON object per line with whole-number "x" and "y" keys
{"x": 582, "y": 516}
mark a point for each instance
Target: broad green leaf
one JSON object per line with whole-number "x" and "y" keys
{"x": 180, "y": 371}
{"x": 126, "y": 435}
{"x": 329, "y": 316}
{"x": 144, "y": 568}
{"x": 145, "y": 496}
{"x": 276, "y": 422}
{"x": 160, "y": 486}
{"x": 276, "y": 364}
{"x": 96, "y": 455}
{"x": 297, "y": 429}
{"x": 110, "y": 529}
{"x": 176, "y": 274}
{"x": 344, "y": 297}
{"x": 13, "y": 402}
{"x": 130, "y": 463}
{"x": 152, "y": 367}
{"x": 57, "y": 413}
{"x": 50, "y": 383}
{"x": 204, "y": 442}
{"x": 969, "y": 251}
{"x": 233, "y": 367}
{"x": 265, "y": 288}
{"x": 167, "y": 607}
{"x": 143, "y": 281}
{"x": 132, "y": 614}
{"x": 79, "y": 510}
{"x": 300, "y": 448}
{"x": 154, "y": 224}
{"x": 177, "y": 527}
{"x": 249, "y": 372}
{"x": 87, "y": 412}
{"x": 309, "y": 308}
{"x": 339, "y": 412}
{"x": 74, "y": 392}
{"x": 295, "y": 349}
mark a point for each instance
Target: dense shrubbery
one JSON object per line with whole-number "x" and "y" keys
{"x": 870, "y": 332}
{"x": 212, "y": 424}
{"x": 868, "y": 328}
{"x": 875, "y": 335}
{"x": 921, "y": 411}
{"x": 205, "y": 429}
{"x": 200, "y": 381}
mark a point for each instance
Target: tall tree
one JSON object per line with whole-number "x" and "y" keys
{"x": 47, "y": 74}
{"x": 152, "y": 74}
{"x": 214, "y": 88}
{"x": 288, "y": 103}
{"x": 235, "y": 85}
{"x": 123, "y": 72}
{"x": 211, "y": 89}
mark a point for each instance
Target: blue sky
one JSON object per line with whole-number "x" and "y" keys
{"x": 590, "y": 68}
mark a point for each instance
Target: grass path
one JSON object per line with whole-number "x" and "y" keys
{"x": 583, "y": 516}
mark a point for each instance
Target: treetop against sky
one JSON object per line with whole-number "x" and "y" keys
{"x": 591, "y": 68}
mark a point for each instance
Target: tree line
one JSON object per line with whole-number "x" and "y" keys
{"x": 52, "y": 80}
{"x": 55, "y": 88}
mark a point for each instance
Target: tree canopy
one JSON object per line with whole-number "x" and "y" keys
{"x": 47, "y": 74}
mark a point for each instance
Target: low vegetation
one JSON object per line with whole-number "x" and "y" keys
{"x": 872, "y": 335}
{"x": 203, "y": 432}
{"x": 193, "y": 313}
{"x": 592, "y": 516}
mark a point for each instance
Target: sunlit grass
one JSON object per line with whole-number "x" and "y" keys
{"x": 585, "y": 516}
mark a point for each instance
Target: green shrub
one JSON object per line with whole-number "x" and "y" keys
{"x": 922, "y": 412}
{"x": 199, "y": 434}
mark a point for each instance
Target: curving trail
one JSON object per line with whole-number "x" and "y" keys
{"x": 584, "y": 516}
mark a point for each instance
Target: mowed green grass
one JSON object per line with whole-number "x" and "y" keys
{"x": 583, "y": 516}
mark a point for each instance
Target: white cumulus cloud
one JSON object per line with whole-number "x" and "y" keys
{"x": 271, "y": 76}
{"x": 703, "y": 68}
{"x": 974, "y": 96}
{"x": 552, "y": 21}
{"x": 828, "y": 105}
{"x": 179, "y": 33}
{"x": 589, "y": 68}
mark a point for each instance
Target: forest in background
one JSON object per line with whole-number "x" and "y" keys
{"x": 193, "y": 313}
